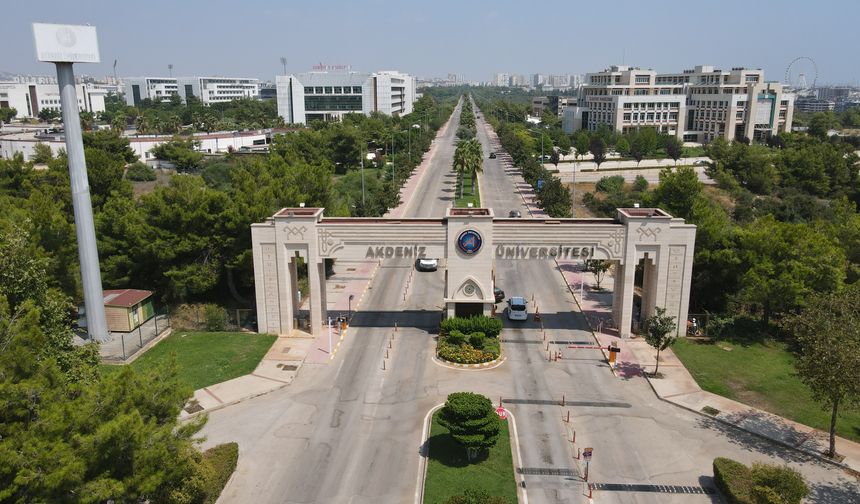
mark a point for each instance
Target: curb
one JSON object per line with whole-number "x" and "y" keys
{"x": 484, "y": 366}
{"x": 816, "y": 455}
{"x": 231, "y": 403}
{"x": 423, "y": 458}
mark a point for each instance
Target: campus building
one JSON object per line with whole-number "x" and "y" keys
{"x": 696, "y": 105}
{"x": 208, "y": 89}
{"x": 218, "y": 89}
{"x": 328, "y": 96}
{"x": 29, "y": 98}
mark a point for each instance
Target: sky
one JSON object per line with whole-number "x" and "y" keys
{"x": 432, "y": 38}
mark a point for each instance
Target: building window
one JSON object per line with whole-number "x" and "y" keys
{"x": 627, "y": 117}
{"x": 309, "y": 90}
{"x": 338, "y": 90}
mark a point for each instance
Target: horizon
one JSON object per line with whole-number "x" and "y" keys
{"x": 469, "y": 40}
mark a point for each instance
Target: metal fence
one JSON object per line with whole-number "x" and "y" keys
{"x": 124, "y": 345}
{"x": 200, "y": 317}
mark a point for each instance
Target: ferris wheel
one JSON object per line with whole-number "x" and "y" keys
{"x": 802, "y": 73}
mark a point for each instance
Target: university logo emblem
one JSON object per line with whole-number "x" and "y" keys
{"x": 469, "y": 242}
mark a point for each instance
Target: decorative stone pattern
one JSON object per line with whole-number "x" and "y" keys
{"x": 675, "y": 280}
{"x": 270, "y": 286}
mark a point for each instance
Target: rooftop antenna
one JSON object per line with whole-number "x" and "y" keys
{"x": 623, "y": 54}
{"x": 170, "y": 68}
{"x": 284, "y": 63}
{"x": 115, "y": 80}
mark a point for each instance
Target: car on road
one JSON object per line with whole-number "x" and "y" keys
{"x": 700, "y": 162}
{"x": 492, "y": 155}
{"x": 517, "y": 308}
{"x": 499, "y": 294}
{"x": 426, "y": 264}
{"x": 515, "y": 214}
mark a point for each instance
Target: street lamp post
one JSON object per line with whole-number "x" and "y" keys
{"x": 65, "y": 45}
{"x": 349, "y": 309}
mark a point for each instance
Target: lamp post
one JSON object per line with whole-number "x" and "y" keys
{"x": 349, "y": 309}
{"x": 65, "y": 45}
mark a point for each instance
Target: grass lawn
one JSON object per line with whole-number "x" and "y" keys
{"x": 449, "y": 474}
{"x": 761, "y": 375}
{"x": 468, "y": 197}
{"x": 207, "y": 358}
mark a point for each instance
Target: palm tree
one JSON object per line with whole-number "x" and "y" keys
{"x": 476, "y": 160}
{"x": 461, "y": 163}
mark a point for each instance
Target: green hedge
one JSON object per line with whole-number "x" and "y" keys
{"x": 734, "y": 480}
{"x": 763, "y": 484}
{"x": 222, "y": 459}
{"x": 490, "y": 326}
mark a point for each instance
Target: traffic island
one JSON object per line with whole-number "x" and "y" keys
{"x": 451, "y": 469}
{"x": 471, "y": 342}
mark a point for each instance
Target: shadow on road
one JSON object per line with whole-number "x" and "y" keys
{"x": 419, "y": 319}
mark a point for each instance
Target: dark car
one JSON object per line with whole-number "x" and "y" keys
{"x": 425, "y": 264}
{"x": 492, "y": 155}
{"x": 499, "y": 294}
{"x": 515, "y": 214}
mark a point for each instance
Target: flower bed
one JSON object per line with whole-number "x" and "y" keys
{"x": 473, "y": 347}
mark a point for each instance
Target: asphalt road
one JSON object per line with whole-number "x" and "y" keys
{"x": 350, "y": 432}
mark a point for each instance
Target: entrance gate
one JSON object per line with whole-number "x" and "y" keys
{"x": 471, "y": 240}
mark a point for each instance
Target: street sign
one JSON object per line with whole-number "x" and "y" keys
{"x": 66, "y": 43}
{"x": 586, "y": 453}
{"x": 502, "y": 413}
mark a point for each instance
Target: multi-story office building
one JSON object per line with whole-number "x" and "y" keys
{"x": 538, "y": 80}
{"x": 328, "y": 96}
{"x": 218, "y": 89}
{"x": 29, "y": 98}
{"x": 696, "y": 105}
{"x": 208, "y": 89}
{"x": 138, "y": 89}
{"x": 811, "y": 105}
{"x": 519, "y": 80}
{"x": 502, "y": 79}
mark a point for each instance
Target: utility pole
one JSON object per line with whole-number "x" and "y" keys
{"x": 65, "y": 45}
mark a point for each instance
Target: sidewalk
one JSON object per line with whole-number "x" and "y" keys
{"x": 678, "y": 386}
{"x": 276, "y": 370}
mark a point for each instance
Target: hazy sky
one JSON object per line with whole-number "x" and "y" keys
{"x": 435, "y": 37}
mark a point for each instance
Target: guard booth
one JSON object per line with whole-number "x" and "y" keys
{"x": 471, "y": 240}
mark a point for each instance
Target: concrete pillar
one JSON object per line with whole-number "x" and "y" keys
{"x": 316, "y": 298}
{"x": 623, "y": 298}
{"x": 294, "y": 286}
{"x": 649, "y": 287}
{"x": 323, "y": 293}
{"x": 286, "y": 277}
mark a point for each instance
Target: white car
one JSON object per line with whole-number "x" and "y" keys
{"x": 425, "y": 264}
{"x": 517, "y": 308}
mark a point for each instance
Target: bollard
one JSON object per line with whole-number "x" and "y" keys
{"x": 500, "y": 400}
{"x": 389, "y": 343}
{"x": 547, "y": 346}
{"x": 549, "y": 357}
{"x": 544, "y": 334}
{"x": 577, "y": 453}
{"x": 589, "y": 490}
{"x": 562, "y": 401}
{"x": 383, "y": 364}
{"x": 395, "y": 327}
{"x": 574, "y": 438}
{"x": 568, "y": 416}
{"x": 386, "y": 353}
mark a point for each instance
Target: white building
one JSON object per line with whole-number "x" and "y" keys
{"x": 138, "y": 89}
{"x": 23, "y": 140}
{"x": 696, "y": 105}
{"x": 329, "y": 96}
{"x": 502, "y": 80}
{"x": 29, "y": 98}
{"x": 218, "y": 89}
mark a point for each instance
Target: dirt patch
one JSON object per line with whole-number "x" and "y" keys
{"x": 162, "y": 179}
{"x": 748, "y": 397}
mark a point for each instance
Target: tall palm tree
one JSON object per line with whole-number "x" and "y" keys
{"x": 461, "y": 163}
{"x": 476, "y": 160}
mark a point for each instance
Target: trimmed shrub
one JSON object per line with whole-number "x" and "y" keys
{"x": 773, "y": 484}
{"x": 222, "y": 459}
{"x": 490, "y": 326}
{"x": 734, "y": 480}
{"x": 456, "y": 338}
{"x": 140, "y": 172}
{"x": 477, "y": 339}
{"x": 471, "y": 420}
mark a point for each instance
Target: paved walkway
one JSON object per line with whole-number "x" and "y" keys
{"x": 678, "y": 386}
